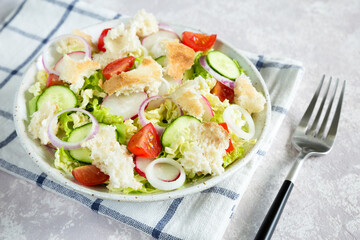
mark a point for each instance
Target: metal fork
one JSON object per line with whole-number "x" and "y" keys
{"x": 309, "y": 139}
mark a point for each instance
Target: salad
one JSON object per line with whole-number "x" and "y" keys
{"x": 141, "y": 109}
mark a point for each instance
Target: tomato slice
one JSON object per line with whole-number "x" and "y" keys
{"x": 145, "y": 143}
{"x": 53, "y": 79}
{"x": 118, "y": 66}
{"x": 223, "y": 92}
{"x": 89, "y": 175}
{"x": 101, "y": 39}
{"x": 198, "y": 41}
{"x": 231, "y": 146}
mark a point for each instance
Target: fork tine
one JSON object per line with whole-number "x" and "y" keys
{"x": 335, "y": 122}
{"x": 312, "y": 129}
{"x": 305, "y": 119}
{"x": 320, "y": 134}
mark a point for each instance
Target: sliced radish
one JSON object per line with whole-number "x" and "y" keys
{"x": 76, "y": 56}
{"x": 209, "y": 113}
{"x": 168, "y": 82}
{"x": 50, "y": 56}
{"x": 165, "y": 27}
{"x": 126, "y": 106}
{"x": 141, "y": 164}
{"x": 165, "y": 174}
{"x": 149, "y": 41}
{"x": 153, "y": 42}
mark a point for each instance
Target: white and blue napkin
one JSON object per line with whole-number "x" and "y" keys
{"x": 25, "y": 31}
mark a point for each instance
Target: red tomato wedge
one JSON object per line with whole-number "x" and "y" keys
{"x": 231, "y": 147}
{"x": 118, "y": 66}
{"x": 145, "y": 143}
{"x": 53, "y": 79}
{"x": 198, "y": 41}
{"x": 101, "y": 39}
{"x": 89, "y": 175}
{"x": 223, "y": 92}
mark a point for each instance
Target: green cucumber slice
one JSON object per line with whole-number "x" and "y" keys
{"x": 59, "y": 95}
{"x": 223, "y": 64}
{"x": 81, "y": 154}
{"x": 177, "y": 129}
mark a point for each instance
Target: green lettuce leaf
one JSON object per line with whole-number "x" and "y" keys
{"x": 93, "y": 81}
{"x": 101, "y": 113}
{"x": 237, "y": 153}
{"x": 63, "y": 161}
{"x": 196, "y": 69}
{"x": 164, "y": 114}
{"x": 146, "y": 187}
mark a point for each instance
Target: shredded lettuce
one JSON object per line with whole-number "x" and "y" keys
{"x": 130, "y": 129}
{"x": 146, "y": 187}
{"x": 63, "y": 161}
{"x": 197, "y": 69}
{"x": 38, "y": 87}
{"x": 217, "y": 106}
{"x": 164, "y": 114}
{"x": 237, "y": 153}
{"x": 94, "y": 81}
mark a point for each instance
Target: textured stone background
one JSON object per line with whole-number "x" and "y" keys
{"x": 325, "y": 36}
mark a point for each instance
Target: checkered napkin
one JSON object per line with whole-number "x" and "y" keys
{"x": 24, "y": 33}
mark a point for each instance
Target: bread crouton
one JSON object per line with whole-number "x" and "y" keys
{"x": 145, "y": 23}
{"x": 73, "y": 72}
{"x": 146, "y": 77}
{"x": 119, "y": 42}
{"x": 246, "y": 95}
{"x": 179, "y": 58}
{"x": 209, "y": 142}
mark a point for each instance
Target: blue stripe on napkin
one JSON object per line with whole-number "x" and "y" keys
{"x": 44, "y": 41}
{"x": 166, "y": 218}
{"x": 13, "y": 16}
{"x": 6, "y": 115}
{"x": 7, "y": 140}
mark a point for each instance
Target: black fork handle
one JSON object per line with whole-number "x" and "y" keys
{"x": 272, "y": 217}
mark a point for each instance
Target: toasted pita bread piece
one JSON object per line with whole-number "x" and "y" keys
{"x": 73, "y": 72}
{"x": 179, "y": 58}
{"x": 146, "y": 77}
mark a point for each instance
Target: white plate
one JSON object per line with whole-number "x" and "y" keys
{"x": 44, "y": 157}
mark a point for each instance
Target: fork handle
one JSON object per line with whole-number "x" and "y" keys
{"x": 272, "y": 217}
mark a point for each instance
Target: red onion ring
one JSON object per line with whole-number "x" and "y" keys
{"x": 145, "y": 104}
{"x": 55, "y": 141}
{"x": 227, "y": 82}
{"x": 48, "y": 68}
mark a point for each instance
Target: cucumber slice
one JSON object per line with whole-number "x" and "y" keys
{"x": 223, "y": 64}
{"x": 81, "y": 154}
{"x": 58, "y": 94}
{"x": 161, "y": 60}
{"x": 177, "y": 129}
